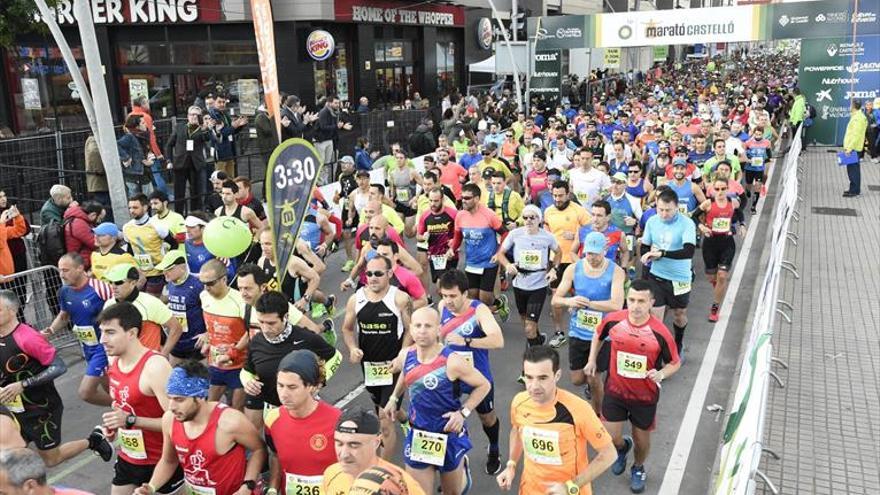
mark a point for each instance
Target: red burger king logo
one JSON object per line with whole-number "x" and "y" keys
{"x": 320, "y": 45}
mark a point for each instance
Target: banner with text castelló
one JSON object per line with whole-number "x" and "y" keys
{"x": 670, "y": 27}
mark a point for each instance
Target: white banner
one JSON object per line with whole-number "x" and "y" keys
{"x": 672, "y": 27}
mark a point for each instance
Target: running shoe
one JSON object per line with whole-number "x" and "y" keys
{"x": 493, "y": 461}
{"x": 619, "y": 465}
{"x": 318, "y": 311}
{"x": 100, "y": 445}
{"x": 405, "y": 427}
{"x": 468, "y": 479}
{"x": 348, "y": 265}
{"x": 588, "y": 394}
{"x": 329, "y": 332}
{"x": 637, "y": 478}
{"x": 330, "y": 305}
{"x": 558, "y": 340}
{"x": 713, "y": 313}
{"x": 503, "y": 308}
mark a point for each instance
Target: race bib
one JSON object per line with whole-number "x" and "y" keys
{"x": 683, "y": 207}
{"x": 403, "y": 195}
{"x": 529, "y": 259}
{"x": 144, "y": 262}
{"x": 267, "y": 408}
{"x": 439, "y": 262}
{"x": 201, "y": 490}
{"x": 542, "y": 446}
{"x": 378, "y": 374}
{"x": 721, "y": 225}
{"x": 630, "y": 243}
{"x": 15, "y": 405}
{"x": 475, "y": 270}
{"x": 467, "y": 356}
{"x": 581, "y": 197}
{"x": 295, "y": 484}
{"x": 589, "y": 319}
{"x": 632, "y": 365}
{"x": 428, "y": 447}
{"x": 181, "y": 318}
{"x": 422, "y": 245}
{"x": 86, "y": 334}
{"x": 758, "y": 161}
{"x": 216, "y": 352}
{"x": 190, "y": 145}
{"x": 679, "y": 288}
{"x": 132, "y": 443}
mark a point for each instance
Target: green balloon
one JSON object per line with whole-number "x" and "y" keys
{"x": 227, "y": 237}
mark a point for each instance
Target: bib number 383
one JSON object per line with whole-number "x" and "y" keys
{"x": 428, "y": 447}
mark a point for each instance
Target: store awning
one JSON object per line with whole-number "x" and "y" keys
{"x": 486, "y": 66}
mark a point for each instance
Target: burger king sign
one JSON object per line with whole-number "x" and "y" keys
{"x": 320, "y": 45}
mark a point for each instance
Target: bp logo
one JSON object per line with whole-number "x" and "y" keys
{"x": 784, "y": 20}
{"x": 831, "y": 49}
{"x": 625, "y": 32}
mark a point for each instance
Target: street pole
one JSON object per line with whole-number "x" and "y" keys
{"x": 519, "y": 104}
{"x": 514, "y": 11}
{"x": 106, "y": 135}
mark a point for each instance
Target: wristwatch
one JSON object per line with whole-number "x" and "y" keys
{"x": 467, "y": 341}
{"x": 249, "y": 484}
{"x": 465, "y": 412}
{"x": 130, "y": 420}
{"x": 571, "y": 488}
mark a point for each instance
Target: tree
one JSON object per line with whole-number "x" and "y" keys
{"x": 19, "y": 17}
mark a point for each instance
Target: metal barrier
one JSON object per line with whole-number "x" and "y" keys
{"x": 743, "y": 435}
{"x": 35, "y": 289}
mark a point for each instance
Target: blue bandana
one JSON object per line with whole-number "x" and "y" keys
{"x": 183, "y": 385}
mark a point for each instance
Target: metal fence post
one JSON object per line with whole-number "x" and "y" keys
{"x": 59, "y": 155}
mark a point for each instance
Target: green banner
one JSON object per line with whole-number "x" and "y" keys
{"x": 661, "y": 53}
{"x": 825, "y": 19}
{"x": 546, "y": 79}
{"x": 560, "y": 32}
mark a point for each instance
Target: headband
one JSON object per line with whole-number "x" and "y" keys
{"x": 183, "y": 385}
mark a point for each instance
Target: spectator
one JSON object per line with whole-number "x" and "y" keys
{"x": 854, "y": 141}
{"x": 12, "y": 228}
{"x": 17, "y": 249}
{"x": 141, "y": 107}
{"x": 96, "y": 178}
{"x": 23, "y": 471}
{"x": 223, "y": 131}
{"x": 78, "y": 235}
{"x": 363, "y": 105}
{"x": 267, "y": 135}
{"x": 60, "y": 198}
{"x": 135, "y": 164}
{"x": 362, "y": 158}
{"x": 186, "y": 147}
{"x": 421, "y": 141}
{"x": 327, "y": 130}
{"x": 294, "y": 120}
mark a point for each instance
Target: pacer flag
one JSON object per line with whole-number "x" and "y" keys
{"x": 290, "y": 178}
{"x": 264, "y": 31}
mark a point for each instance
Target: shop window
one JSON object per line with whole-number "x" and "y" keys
{"x": 447, "y": 76}
{"x": 393, "y": 51}
{"x": 128, "y": 54}
{"x": 156, "y": 87}
{"x": 234, "y": 53}
{"x": 332, "y": 76}
{"x": 190, "y": 53}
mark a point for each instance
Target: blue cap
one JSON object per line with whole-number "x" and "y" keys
{"x": 679, "y": 162}
{"x": 595, "y": 243}
{"x": 107, "y": 228}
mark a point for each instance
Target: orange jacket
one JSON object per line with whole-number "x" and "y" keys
{"x": 148, "y": 120}
{"x": 17, "y": 229}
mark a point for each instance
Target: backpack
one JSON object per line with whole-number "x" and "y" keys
{"x": 50, "y": 241}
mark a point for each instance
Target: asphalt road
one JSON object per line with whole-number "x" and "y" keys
{"x": 88, "y": 472}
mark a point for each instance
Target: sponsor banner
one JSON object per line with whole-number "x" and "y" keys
{"x": 546, "y": 81}
{"x": 822, "y": 19}
{"x": 485, "y": 33}
{"x": 144, "y": 11}
{"x": 661, "y": 53}
{"x": 248, "y": 96}
{"x": 30, "y": 93}
{"x": 137, "y": 88}
{"x": 264, "y": 32}
{"x": 291, "y": 174}
{"x": 833, "y": 72}
{"x": 561, "y": 32}
{"x": 670, "y": 27}
{"x": 320, "y": 45}
{"x": 612, "y": 58}
{"x": 392, "y": 12}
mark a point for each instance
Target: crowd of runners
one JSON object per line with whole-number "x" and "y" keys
{"x": 210, "y": 372}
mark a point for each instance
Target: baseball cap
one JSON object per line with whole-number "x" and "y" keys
{"x": 219, "y": 175}
{"x": 107, "y": 228}
{"x": 649, "y": 123}
{"x": 619, "y": 176}
{"x": 594, "y": 243}
{"x": 362, "y": 173}
{"x": 681, "y": 149}
{"x": 537, "y": 142}
{"x": 172, "y": 258}
{"x": 364, "y": 422}
{"x": 488, "y": 173}
{"x": 679, "y": 162}
{"x": 193, "y": 221}
{"x": 346, "y": 159}
{"x": 570, "y": 127}
{"x": 121, "y": 273}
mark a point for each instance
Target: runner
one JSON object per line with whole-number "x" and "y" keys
{"x": 469, "y": 329}
{"x": 536, "y": 179}
{"x": 300, "y": 433}
{"x": 302, "y": 281}
{"x": 109, "y": 253}
{"x": 23, "y": 472}
{"x": 668, "y": 244}
{"x": 380, "y": 313}
{"x": 626, "y": 210}
{"x": 642, "y": 355}
{"x": 169, "y": 219}
{"x": 563, "y": 220}
{"x": 231, "y": 208}
{"x": 477, "y": 226}
{"x": 207, "y": 439}
{"x": 160, "y": 330}
{"x": 146, "y": 239}
{"x": 225, "y": 339}
{"x": 137, "y": 385}
{"x": 183, "y": 291}
{"x": 357, "y": 440}
{"x": 587, "y": 183}
{"x": 719, "y": 247}
{"x": 531, "y": 269}
{"x": 758, "y": 153}
{"x": 355, "y": 195}
{"x": 720, "y": 148}
{"x": 28, "y": 391}
{"x": 377, "y": 194}
{"x": 597, "y": 285}
{"x": 437, "y": 227}
{"x": 403, "y": 180}
{"x": 434, "y": 377}
{"x": 81, "y": 299}
{"x": 553, "y": 427}
{"x": 616, "y": 244}
{"x": 505, "y": 202}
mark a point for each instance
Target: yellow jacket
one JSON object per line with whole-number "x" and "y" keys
{"x": 854, "y": 139}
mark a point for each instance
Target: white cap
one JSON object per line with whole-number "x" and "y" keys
{"x": 191, "y": 221}
{"x": 649, "y": 123}
{"x": 537, "y": 141}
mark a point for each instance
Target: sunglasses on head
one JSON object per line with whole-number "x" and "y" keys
{"x": 376, "y": 273}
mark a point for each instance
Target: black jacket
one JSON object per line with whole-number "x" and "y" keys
{"x": 176, "y": 147}
{"x": 327, "y": 126}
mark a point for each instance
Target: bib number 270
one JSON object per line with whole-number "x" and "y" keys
{"x": 296, "y": 173}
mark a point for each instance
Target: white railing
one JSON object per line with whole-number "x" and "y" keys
{"x": 743, "y": 436}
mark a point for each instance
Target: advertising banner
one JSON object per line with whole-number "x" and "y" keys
{"x": 291, "y": 174}
{"x": 264, "y": 31}
{"x": 561, "y": 32}
{"x": 546, "y": 79}
{"x": 248, "y": 96}
{"x": 661, "y": 53}
{"x": 822, "y": 19}
{"x": 30, "y": 93}
{"x": 137, "y": 88}
{"x": 612, "y": 58}
{"x": 830, "y": 79}
{"x": 670, "y": 27}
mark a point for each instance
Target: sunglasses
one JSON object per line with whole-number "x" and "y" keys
{"x": 120, "y": 282}
{"x": 212, "y": 283}
{"x": 720, "y": 188}
{"x": 635, "y": 171}
{"x": 377, "y": 273}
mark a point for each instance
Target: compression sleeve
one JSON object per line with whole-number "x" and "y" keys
{"x": 685, "y": 253}
{"x": 55, "y": 369}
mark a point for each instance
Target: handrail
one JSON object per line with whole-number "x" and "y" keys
{"x": 743, "y": 436}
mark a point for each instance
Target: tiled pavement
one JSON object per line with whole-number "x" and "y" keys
{"x": 825, "y": 423}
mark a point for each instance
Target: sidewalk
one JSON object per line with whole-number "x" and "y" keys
{"x": 825, "y": 423}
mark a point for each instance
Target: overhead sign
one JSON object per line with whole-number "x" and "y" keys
{"x": 144, "y": 11}
{"x": 561, "y": 32}
{"x": 612, "y": 58}
{"x": 546, "y": 79}
{"x": 833, "y": 72}
{"x": 829, "y": 18}
{"x": 661, "y": 53}
{"x": 320, "y": 45}
{"x": 670, "y": 27}
{"x": 391, "y": 12}
{"x": 485, "y": 34}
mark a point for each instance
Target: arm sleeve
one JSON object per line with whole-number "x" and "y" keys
{"x": 53, "y": 370}
{"x": 685, "y": 253}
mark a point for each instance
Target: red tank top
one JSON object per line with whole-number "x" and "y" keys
{"x": 719, "y": 219}
{"x": 206, "y": 470}
{"x": 136, "y": 446}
